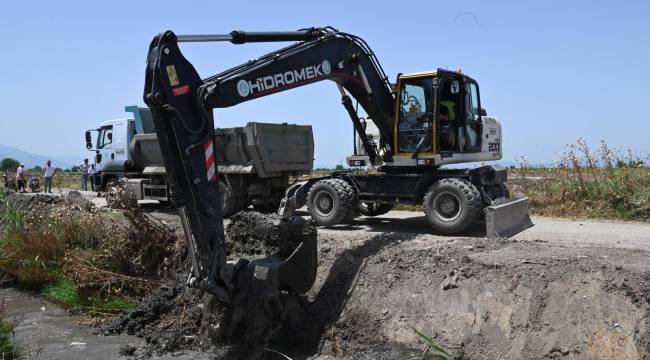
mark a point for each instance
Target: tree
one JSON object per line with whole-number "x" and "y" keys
{"x": 8, "y": 164}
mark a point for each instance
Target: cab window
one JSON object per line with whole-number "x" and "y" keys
{"x": 472, "y": 115}
{"x": 105, "y": 137}
{"x": 414, "y": 125}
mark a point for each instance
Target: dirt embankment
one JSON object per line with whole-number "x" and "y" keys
{"x": 481, "y": 299}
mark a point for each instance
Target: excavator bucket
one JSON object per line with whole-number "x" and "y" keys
{"x": 507, "y": 217}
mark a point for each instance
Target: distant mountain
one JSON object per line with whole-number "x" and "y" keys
{"x": 30, "y": 160}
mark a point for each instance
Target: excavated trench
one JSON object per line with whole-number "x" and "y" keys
{"x": 480, "y": 299}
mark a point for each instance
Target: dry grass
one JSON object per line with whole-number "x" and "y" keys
{"x": 82, "y": 256}
{"x": 605, "y": 184}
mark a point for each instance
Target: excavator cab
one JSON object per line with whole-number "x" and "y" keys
{"x": 437, "y": 113}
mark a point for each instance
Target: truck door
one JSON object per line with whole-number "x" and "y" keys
{"x": 104, "y": 146}
{"x": 120, "y": 142}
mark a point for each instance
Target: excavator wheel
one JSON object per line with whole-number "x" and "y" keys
{"x": 330, "y": 201}
{"x": 451, "y": 205}
{"x": 373, "y": 209}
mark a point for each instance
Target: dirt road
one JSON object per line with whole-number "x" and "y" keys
{"x": 562, "y": 289}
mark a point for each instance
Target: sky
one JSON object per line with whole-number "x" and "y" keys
{"x": 550, "y": 71}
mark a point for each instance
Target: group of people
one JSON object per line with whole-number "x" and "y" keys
{"x": 22, "y": 182}
{"x": 88, "y": 175}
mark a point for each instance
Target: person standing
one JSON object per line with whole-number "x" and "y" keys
{"x": 92, "y": 174}
{"x": 20, "y": 178}
{"x": 83, "y": 168}
{"x": 49, "y": 174}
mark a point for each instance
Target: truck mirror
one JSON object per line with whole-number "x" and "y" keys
{"x": 89, "y": 140}
{"x": 483, "y": 112}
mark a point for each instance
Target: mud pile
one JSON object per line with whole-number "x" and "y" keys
{"x": 177, "y": 317}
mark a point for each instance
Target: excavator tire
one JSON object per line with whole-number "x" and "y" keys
{"x": 228, "y": 200}
{"x": 373, "y": 209}
{"x": 330, "y": 201}
{"x": 451, "y": 205}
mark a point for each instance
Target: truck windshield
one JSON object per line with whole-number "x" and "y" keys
{"x": 105, "y": 136}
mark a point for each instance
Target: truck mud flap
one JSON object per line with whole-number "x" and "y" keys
{"x": 507, "y": 217}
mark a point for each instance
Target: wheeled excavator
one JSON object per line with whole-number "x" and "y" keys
{"x": 412, "y": 128}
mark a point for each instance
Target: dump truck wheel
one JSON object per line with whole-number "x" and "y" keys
{"x": 373, "y": 209}
{"x": 228, "y": 201}
{"x": 330, "y": 201}
{"x": 451, "y": 205}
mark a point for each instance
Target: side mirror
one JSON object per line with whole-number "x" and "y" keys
{"x": 89, "y": 140}
{"x": 483, "y": 112}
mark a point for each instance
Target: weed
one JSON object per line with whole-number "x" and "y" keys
{"x": 7, "y": 350}
{"x": 63, "y": 291}
{"x": 434, "y": 350}
{"x": 30, "y": 257}
{"x": 605, "y": 183}
{"x": 12, "y": 218}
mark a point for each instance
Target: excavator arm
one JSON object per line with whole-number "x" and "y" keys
{"x": 181, "y": 104}
{"x": 185, "y": 130}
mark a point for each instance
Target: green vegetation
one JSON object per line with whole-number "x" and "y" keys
{"x": 63, "y": 291}
{"x": 606, "y": 183}
{"x": 434, "y": 351}
{"x": 12, "y": 219}
{"x": 7, "y": 351}
{"x": 82, "y": 258}
{"x": 9, "y": 164}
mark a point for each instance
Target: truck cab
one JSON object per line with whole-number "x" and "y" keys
{"x": 112, "y": 148}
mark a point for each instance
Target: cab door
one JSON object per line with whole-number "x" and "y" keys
{"x": 473, "y": 126}
{"x": 414, "y": 115}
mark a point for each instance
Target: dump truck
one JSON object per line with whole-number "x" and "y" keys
{"x": 256, "y": 162}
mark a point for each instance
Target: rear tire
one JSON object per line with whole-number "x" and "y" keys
{"x": 373, "y": 209}
{"x": 451, "y": 205}
{"x": 330, "y": 201}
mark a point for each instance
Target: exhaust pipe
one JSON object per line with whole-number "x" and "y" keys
{"x": 507, "y": 217}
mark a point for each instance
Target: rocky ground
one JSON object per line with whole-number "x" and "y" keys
{"x": 537, "y": 296}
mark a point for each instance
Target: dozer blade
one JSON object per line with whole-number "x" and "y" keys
{"x": 507, "y": 217}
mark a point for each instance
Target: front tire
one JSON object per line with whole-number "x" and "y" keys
{"x": 451, "y": 205}
{"x": 330, "y": 201}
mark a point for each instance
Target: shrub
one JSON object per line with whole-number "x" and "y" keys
{"x": 606, "y": 183}
{"x": 7, "y": 351}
